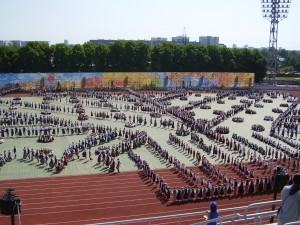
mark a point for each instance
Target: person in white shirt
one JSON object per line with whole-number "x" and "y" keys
{"x": 290, "y": 206}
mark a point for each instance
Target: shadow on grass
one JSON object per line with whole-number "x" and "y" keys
{"x": 24, "y": 161}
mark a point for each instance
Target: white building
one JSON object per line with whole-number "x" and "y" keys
{"x": 18, "y": 43}
{"x": 208, "y": 40}
{"x": 158, "y": 40}
{"x": 180, "y": 40}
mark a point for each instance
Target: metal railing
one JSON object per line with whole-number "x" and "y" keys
{"x": 258, "y": 206}
{"x": 221, "y": 219}
{"x": 257, "y": 217}
{"x": 243, "y": 217}
{"x": 293, "y": 223}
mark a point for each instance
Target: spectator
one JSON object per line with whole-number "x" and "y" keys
{"x": 290, "y": 206}
{"x": 213, "y": 213}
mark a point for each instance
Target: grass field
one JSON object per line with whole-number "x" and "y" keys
{"x": 288, "y": 78}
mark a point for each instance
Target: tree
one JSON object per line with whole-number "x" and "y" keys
{"x": 251, "y": 61}
{"x": 229, "y": 60}
{"x": 156, "y": 54}
{"x": 77, "y": 58}
{"x": 297, "y": 66}
{"x": 101, "y": 58}
{"x": 34, "y": 57}
{"x": 265, "y": 52}
{"x": 130, "y": 58}
{"x": 291, "y": 61}
{"x": 192, "y": 62}
{"x": 61, "y": 55}
{"x": 137, "y": 57}
{"x": 243, "y": 59}
{"x": 117, "y": 57}
{"x": 179, "y": 60}
{"x": 293, "y": 53}
{"x": 142, "y": 57}
{"x": 167, "y": 57}
{"x": 90, "y": 51}
{"x": 8, "y": 58}
{"x": 203, "y": 59}
{"x": 162, "y": 57}
{"x": 286, "y": 69}
{"x": 217, "y": 62}
{"x": 283, "y": 53}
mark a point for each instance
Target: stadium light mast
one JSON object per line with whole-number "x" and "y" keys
{"x": 274, "y": 11}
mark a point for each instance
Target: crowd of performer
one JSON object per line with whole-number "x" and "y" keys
{"x": 284, "y": 128}
{"x": 283, "y": 149}
{"x": 8, "y": 156}
{"x": 31, "y": 131}
{"x": 201, "y": 187}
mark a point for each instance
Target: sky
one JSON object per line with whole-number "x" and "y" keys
{"x": 237, "y": 22}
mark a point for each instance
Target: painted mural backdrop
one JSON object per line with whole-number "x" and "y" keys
{"x": 168, "y": 80}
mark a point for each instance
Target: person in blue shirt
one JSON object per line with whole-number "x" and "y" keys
{"x": 213, "y": 213}
{"x": 290, "y": 206}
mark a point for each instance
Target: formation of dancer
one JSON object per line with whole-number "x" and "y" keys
{"x": 284, "y": 128}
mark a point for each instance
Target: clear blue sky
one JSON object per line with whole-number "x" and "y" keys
{"x": 237, "y": 22}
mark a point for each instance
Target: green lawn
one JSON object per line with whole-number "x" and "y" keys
{"x": 286, "y": 78}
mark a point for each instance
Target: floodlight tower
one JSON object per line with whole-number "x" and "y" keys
{"x": 274, "y": 11}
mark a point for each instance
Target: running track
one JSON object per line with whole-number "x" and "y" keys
{"x": 89, "y": 199}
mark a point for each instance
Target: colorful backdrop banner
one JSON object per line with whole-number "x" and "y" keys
{"x": 165, "y": 80}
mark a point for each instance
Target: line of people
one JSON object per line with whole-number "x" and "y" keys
{"x": 8, "y": 156}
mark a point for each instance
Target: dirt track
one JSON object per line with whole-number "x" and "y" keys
{"x": 294, "y": 93}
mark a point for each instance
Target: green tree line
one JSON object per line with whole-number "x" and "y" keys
{"x": 130, "y": 56}
{"x": 287, "y": 60}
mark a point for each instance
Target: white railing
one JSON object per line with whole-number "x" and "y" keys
{"x": 257, "y": 217}
{"x": 258, "y": 206}
{"x": 243, "y": 217}
{"x": 293, "y": 223}
{"x": 151, "y": 219}
{"x": 220, "y": 220}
